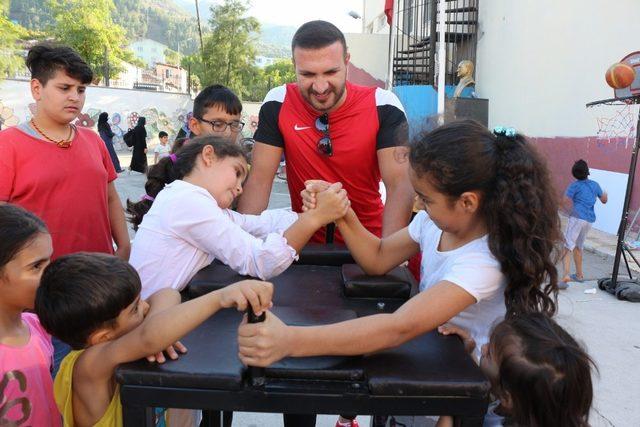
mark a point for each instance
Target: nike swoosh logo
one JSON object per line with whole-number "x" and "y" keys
{"x": 296, "y": 127}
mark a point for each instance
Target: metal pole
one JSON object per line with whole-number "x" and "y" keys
{"x": 392, "y": 44}
{"x": 442, "y": 59}
{"x": 200, "y": 32}
{"x": 625, "y": 206}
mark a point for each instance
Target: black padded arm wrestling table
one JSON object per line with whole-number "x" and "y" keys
{"x": 430, "y": 375}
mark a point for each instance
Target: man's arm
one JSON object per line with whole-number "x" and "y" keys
{"x": 118, "y": 223}
{"x": 256, "y": 191}
{"x": 394, "y": 169}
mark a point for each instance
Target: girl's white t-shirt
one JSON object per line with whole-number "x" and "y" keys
{"x": 185, "y": 230}
{"x": 472, "y": 267}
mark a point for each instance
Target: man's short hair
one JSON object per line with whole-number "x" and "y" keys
{"x": 82, "y": 292}
{"x": 316, "y": 35}
{"x": 43, "y": 60}
{"x": 162, "y": 134}
{"x": 580, "y": 170}
{"x": 216, "y": 95}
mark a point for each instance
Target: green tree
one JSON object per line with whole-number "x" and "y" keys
{"x": 88, "y": 27}
{"x": 10, "y": 33}
{"x": 271, "y": 76}
{"x": 172, "y": 57}
{"x": 229, "y": 52}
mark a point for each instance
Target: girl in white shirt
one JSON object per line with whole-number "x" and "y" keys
{"x": 184, "y": 222}
{"x": 488, "y": 237}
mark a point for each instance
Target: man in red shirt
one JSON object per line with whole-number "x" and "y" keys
{"x": 61, "y": 172}
{"x": 332, "y": 130}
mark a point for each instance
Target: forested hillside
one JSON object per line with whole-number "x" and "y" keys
{"x": 162, "y": 21}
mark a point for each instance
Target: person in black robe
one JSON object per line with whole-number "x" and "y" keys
{"x": 139, "y": 157}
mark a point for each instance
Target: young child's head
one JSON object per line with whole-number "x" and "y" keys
{"x": 216, "y": 111}
{"x": 163, "y": 137}
{"x": 580, "y": 170}
{"x": 218, "y": 165}
{"x": 467, "y": 175}
{"x": 59, "y": 77}
{"x": 25, "y": 250}
{"x": 539, "y": 372}
{"x": 87, "y": 298}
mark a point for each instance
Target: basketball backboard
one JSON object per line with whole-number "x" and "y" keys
{"x": 633, "y": 60}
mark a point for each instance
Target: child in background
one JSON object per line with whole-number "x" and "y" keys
{"x": 184, "y": 222}
{"x": 580, "y": 198}
{"x": 26, "y": 352}
{"x": 58, "y": 171}
{"x": 487, "y": 236}
{"x": 92, "y": 302}
{"x": 217, "y": 111}
{"x": 162, "y": 149}
{"x": 539, "y": 374}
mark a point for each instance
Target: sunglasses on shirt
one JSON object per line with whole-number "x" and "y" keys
{"x": 324, "y": 144}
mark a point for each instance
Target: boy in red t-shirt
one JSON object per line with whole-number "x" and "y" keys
{"x": 61, "y": 172}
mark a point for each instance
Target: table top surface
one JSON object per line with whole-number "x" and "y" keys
{"x": 429, "y": 365}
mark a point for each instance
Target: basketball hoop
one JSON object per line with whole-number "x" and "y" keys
{"x": 621, "y": 125}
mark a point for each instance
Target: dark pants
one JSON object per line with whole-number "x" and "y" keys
{"x": 60, "y": 350}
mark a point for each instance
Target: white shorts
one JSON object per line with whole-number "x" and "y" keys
{"x": 576, "y": 233}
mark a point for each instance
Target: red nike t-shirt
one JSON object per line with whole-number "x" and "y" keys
{"x": 67, "y": 188}
{"x": 370, "y": 119}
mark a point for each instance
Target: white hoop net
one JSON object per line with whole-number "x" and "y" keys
{"x": 615, "y": 122}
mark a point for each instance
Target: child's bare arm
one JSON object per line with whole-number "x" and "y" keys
{"x": 332, "y": 204}
{"x": 604, "y": 198}
{"x": 374, "y": 255}
{"x": 164, "y": 328}
{"x": 159, "y": 301}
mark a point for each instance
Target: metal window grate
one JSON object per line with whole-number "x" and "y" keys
{"x": 417, "y": 37}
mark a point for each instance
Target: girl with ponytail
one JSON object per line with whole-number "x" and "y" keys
{"x": 488, "y": 236}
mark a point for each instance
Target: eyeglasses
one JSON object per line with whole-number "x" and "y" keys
{"x": 324, "y": 144}
{"x": 221, "y": 126}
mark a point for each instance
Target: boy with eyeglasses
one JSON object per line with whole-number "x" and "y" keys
{"x": 216, "y": 111}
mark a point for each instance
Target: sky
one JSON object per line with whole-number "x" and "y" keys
{"x": 296, "y": 12}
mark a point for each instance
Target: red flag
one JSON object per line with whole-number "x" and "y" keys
{"x": 388, "y": 10}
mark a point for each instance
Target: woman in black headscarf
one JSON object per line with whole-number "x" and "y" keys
{"x": 139, "y": 157}
{"x": 107, "y": 136}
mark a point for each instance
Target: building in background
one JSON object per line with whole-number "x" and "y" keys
{"x": 149, "y": 51}
{"x": 538, "y": 63}
{"x": 264, "y": 61}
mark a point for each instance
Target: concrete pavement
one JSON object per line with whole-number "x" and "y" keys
{"x": 609, "y": 328}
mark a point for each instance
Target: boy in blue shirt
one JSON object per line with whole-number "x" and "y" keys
{"x": 580, "y": 198}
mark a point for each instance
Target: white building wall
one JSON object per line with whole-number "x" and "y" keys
{"x": 370, "y": 52}
{"x": 150, "y": 51}
{"x": 541, "y": 61}
{"x": 375, "y": 21}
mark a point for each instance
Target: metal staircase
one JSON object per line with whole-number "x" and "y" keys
{"x": 417, "y": 38}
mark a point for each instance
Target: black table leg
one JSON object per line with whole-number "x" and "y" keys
{"x": 211, "y": 419}
{"x": 469, "y": 421}
{"x": 137, "y": 416}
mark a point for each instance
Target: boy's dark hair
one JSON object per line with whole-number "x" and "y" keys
{"x": 214, "y": 95}
{"x": 544, "y": 370}
{"x": 316, "y": 35}
{"x": 162, "y": 134}
{"x": 18, "y": 227}
{"x": 82, "y": 292}
{"x": 516, "y": 203}
{"x": 580, "y": 170}
{"x": 44, "y": 59}
{"x": 166, "y": 171}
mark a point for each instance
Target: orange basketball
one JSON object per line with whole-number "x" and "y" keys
{"x": 620, "y": 75}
